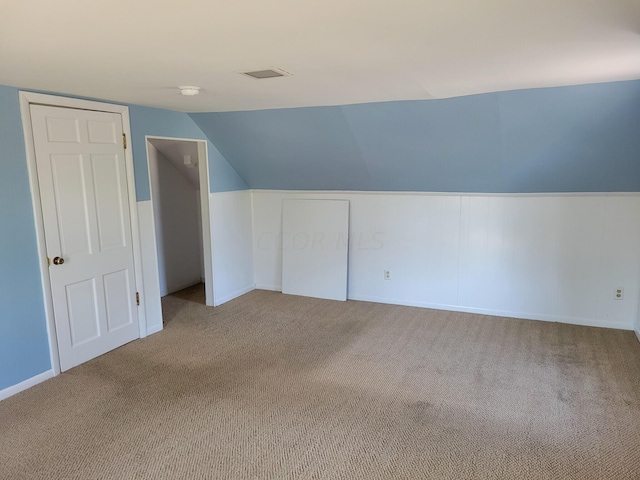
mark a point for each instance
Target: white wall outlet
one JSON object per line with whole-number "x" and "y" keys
{"x": 387, "y": 275}
{"x": 619, "y": 293}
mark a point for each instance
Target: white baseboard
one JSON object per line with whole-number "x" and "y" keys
{"x": 588, "y": 322}
{"x": 154, "y": 329}
{"x": 28, "y": 383}
{"x": 219, "y": 301}
{"x": 638, "y": 334}
{"x": 273, "y": 288}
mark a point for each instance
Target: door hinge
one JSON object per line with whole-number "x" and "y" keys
{"x": 124, "y": 141}
{"x": 137, "y": 299}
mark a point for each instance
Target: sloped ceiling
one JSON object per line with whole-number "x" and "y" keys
{"x": 563, "y": 139}
{"x": 347, "y": 52}
{"x": 174, "y": 151}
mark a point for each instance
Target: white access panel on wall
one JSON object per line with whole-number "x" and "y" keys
{"x": 315, "y": 245}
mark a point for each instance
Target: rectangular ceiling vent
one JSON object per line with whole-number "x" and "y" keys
{"x": 266, "y": 73}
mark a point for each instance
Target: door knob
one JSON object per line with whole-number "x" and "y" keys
{"x": 58, "y": 261}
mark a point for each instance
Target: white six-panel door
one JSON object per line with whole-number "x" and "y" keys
{"x": 83, "y": 188}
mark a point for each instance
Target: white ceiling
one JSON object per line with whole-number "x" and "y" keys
{"x": 339, "y": 52}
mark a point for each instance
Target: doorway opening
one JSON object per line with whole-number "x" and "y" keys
{"x": 179, "y": 180}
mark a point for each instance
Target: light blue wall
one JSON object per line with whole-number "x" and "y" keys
{"x": 166, "y": 123}
{"x": 24, "y": 345}
{"x": 302, "y": 148}
{"x": 566, "y": 139}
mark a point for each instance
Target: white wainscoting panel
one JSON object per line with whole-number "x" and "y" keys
{"x": 232, "y": 238}
{"x": 267, "y": 233}
{"x": 151, "y": 294}
{"x": 554, "y": 257}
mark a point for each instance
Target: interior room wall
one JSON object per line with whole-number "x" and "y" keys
{"x": 568, "y": 139}
{"x": 178, "y": 224}
{"x": 222, "y": 178}
{"x": 554, "y": 257}
{"x": 548, "y": 140}
{"x": 24, "y": 344}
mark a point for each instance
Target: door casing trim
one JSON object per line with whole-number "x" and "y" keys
{"x": 26, "y": 100}
{"x": 205, "y": 208}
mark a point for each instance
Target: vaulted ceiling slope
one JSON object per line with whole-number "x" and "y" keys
{"x": 564, "y": 139}
{"x": 354, "y": 51}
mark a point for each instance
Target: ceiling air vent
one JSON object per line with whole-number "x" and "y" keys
{"x": 266, "y": 73}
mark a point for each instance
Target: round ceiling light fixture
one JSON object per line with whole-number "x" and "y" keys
{"x": 189, "y": 90}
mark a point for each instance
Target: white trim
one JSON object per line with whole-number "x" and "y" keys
{"x": 461, "y": 194}
{"x": 229, "y": 192}
{"x": 151, "y": 293}
{"x": 135, "y": 232}
{"x": 40, "y": 238}
{"x": 205, "y": 207}
{"x": 254, "y": 244}
{"x": 636, "y": 322}
{"x": 587, "y": 322}
{"x": 28, "y": 383}
{"x": 154, "y": 329}
{"x": 27, "y": 99}
{"x": 180, "y": 139}
{"x": 70, "y": 102}
{"x": 205, "y": 211}
{"x": 235, "y": 294}
{"x": 271, "y": 288}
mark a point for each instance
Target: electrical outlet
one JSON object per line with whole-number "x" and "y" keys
{"x": 619, "y": 293}
{"x": 387, "y": 275}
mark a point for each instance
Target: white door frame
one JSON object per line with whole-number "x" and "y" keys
{"x": 203, "y": 174}
{"x": 27, "y": 99}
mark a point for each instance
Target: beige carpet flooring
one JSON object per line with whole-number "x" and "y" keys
{"x": 271, "y": 386}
